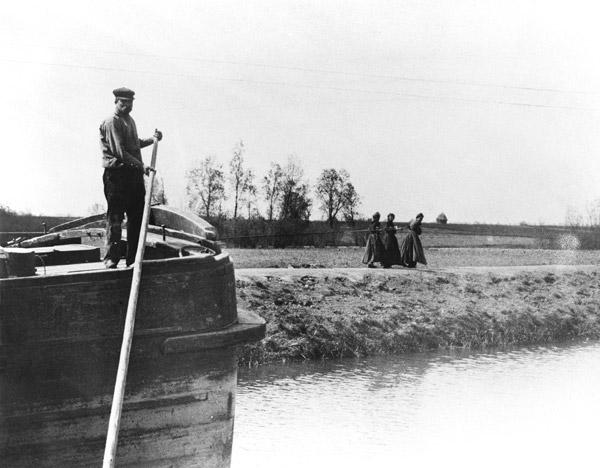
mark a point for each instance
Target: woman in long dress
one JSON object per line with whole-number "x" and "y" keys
{"x": 411, "y": 250}
{"x": 374, "y": 250}
{"x": 390, "y": 243}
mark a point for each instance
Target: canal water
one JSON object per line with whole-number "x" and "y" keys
{"x": 534, "y": 406}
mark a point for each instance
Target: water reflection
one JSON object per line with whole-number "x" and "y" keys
{"x": 530, "y": 406}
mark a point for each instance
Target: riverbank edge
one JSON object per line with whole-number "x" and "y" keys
{"x": 335, "y": 313}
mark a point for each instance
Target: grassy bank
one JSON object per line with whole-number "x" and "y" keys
{"x": 314, "y": 314}
{"x": 15, "y": 224}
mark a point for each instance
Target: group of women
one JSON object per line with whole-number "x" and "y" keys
{"x": 382, "y": 244}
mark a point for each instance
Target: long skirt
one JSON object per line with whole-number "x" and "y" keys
{"x": 374, "y": 251}
{"x": 391, "y": 250}
{"x": 411, "y": 250}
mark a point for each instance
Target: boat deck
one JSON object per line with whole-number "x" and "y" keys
{"x": 52, "y": 270}
{"x": 85, "y": 254}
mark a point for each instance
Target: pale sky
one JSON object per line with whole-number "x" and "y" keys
{"x": 486, "y": 110}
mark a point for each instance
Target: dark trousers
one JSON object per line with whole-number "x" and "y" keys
{"x": 124, "y": 192}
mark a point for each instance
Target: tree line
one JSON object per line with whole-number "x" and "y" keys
{"x": 283, "y": 190}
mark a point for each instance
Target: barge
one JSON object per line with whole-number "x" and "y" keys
{"x": 61, "y": 324}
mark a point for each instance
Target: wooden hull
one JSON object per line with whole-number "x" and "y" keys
{"x": 60, "y": 339}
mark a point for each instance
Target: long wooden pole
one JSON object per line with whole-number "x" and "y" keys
{"x": 112, "y": 437}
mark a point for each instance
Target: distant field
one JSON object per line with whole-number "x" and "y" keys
{"x": 350, "y": 257}
{"x": 478, "y": 240}
{"x": 318, "y": 234}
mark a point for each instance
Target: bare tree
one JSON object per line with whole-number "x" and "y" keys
{"x": 251, "y": 202}
{"x": 205, "y": 187}
{"x": 295, "y": 203}
{"x": 330, "y": 191}
{"x": 272, "y": 187}
{"x": 593, "y": 213}
{"x": 351, "y": 203}
{"x": 240, "y": 178}
{"x": 573, "y": 218}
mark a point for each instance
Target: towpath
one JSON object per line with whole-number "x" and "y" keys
{"x": 242, "y": 273}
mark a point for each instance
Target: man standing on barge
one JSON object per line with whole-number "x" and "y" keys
{"x": 123, "y": 177}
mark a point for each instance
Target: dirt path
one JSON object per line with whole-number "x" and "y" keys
{"x": 358, "y": 273}
{"x": 437, "y": 257}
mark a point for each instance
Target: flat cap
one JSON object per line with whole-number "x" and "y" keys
{"x": 123, "y": 93}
